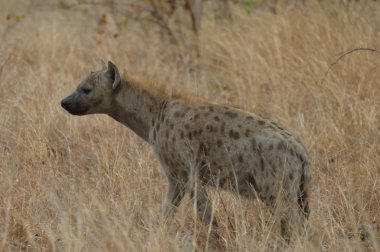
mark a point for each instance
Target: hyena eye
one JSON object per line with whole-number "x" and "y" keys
{"x": 86, "y": 90}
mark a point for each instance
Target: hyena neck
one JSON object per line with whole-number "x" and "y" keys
{"x": 137, "y": 107}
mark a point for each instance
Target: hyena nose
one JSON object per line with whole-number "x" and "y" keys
{"x": 64, "y": 103}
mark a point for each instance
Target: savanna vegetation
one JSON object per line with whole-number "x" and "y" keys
{"x": 90, "y": 184}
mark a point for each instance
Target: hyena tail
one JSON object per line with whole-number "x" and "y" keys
{"x": 303, "y": 193}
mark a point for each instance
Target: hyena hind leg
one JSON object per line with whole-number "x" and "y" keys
{"x": 293, "y": 221}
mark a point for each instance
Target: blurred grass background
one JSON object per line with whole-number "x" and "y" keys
{"x": 89, "y": 184}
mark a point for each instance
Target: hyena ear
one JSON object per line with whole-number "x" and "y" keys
{"x": 113, "y": 74}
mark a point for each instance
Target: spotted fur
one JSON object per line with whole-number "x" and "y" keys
{"x": 201, "y": 144}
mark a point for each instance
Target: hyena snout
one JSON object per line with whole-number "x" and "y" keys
{"x": 72, "y": 104}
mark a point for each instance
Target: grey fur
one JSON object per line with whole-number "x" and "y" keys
{"x": 201, "y": 144}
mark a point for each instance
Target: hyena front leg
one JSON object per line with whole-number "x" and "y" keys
{"x": 204, "y": 205}
{"x": 174, "y": 195}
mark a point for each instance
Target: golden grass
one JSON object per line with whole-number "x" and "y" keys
{"x": 89, "y": 184}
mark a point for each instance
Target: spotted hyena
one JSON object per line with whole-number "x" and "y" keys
{"x": 202, "y": 144}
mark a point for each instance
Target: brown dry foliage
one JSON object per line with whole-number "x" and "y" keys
{"x": 89, "y": 184}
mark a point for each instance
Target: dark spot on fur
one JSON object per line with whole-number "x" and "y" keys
{"x": 187, "y": 126}
{"x": 189, "y": 135}
{"x": 183, "y": 174}
{"x": 239, "y": 126}
{"x": 247, "y": 132}
{"x": 171, "y": 126}
{"x": 154, "y": 135}
{"x": 216, "y": 118}
{"x": 231, "y": 133}
{"x": 219, "y": 142}
{"x": 249, "y": 118}
{"x": 240, "y": 158}
{"x": 266, "y": 188}
{"x": 211, "y": 109}
{"x": 261, "y": 122}
{"x": 196, "y": 116}
{"x": 281, "y": 146}
{"x": 270, "y": 147}
{"x": 182, "y": 135}
{"x": 234, "y": 135}
{"x": 230, "y": 114}
{"x": 200, "y": 131}
{"x": 158, "y": 126}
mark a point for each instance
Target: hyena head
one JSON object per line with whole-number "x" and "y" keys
{"x": 94, "y": 94}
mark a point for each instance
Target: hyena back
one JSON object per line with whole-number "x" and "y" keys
{"x": 202, "y": 144}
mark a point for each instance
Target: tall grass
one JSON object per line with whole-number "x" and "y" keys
{"x": 89, "y": 184}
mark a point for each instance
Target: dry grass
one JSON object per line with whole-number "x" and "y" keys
{"x": 89, "y": 184}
